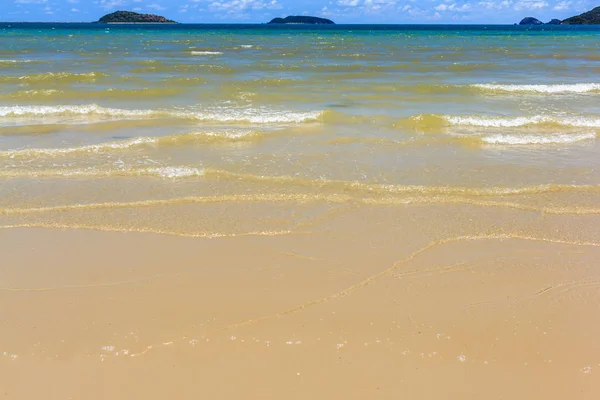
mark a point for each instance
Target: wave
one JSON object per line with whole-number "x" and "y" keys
{"x": 15, "y": 61}
{"x": 557, "y": 88}
{"x": 370, "y": 193}
{"x": 253, "y": 115}
{"x": 168, "y": 172}
{"x": 111, "y": 93}
{"x": 94, "y": 148}
{"x": 13, "y": 64}
{"x": 171, "y": 140}
{"x": 302, "y": 198}
{"x": 185, "y": 69}
{"x": 260, "y": 115}
{"x": 297, "y": 198}
{"x": 433, "y": 121}
{"x": 50, "y": 77}
{"x": 556, "y": 138}
{"x": 370, "y": 188}
{"x": 65, "y": 110}
{"x": 235, "y": 136}
{"x": 206, "y": 53}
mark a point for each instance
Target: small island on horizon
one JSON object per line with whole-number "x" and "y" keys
{"x": 130, "y": 17}
{"x": 591, "y": 17}
{"x": 301, "y": 19}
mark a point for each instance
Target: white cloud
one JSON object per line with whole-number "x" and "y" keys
{"x": 376, "y": 6}
{"x": 240, "y": 6}
{"x": 530, "y": 5}
{"x": 72, "y": 1}
{"x": 452, "y": 7}
{"x": 348, "y": 3}
{"x": 74, "y": 10}
{"x": 563, "y": 5}
{"x": 496, "y": 5}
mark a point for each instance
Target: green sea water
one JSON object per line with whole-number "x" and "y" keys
{"x": 118, "y": 114}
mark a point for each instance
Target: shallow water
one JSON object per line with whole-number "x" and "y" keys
{"x": 383, "y": 114}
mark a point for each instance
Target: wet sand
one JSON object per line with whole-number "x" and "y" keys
{"x": 368, "y": 302}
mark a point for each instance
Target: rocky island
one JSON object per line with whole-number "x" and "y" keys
{"x": 130, "y": 17}
{"x": 530, "y": 21}
{"x": 302, "y": 19}
{"x": 588, "y": 18}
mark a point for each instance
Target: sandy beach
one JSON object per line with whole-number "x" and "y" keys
{"x": 377, "y": 311}
{"x": 242, "y": 211}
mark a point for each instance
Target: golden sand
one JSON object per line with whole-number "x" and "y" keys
{"x": 357, "y": 302}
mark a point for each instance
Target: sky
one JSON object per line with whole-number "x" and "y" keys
{"x": 341, "y": 11}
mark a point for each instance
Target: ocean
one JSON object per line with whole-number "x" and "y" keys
{"x": 121, "y": 116}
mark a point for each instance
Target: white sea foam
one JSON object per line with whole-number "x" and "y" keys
{"x": 511, "y": 122}
{"x": 255, "y": 116}
{"x": 201, "y": 136}
{"x": 233, "y": 135}
{"x": 557, "y": 88}
{"x": 169, "y": 172}
{"x": 24, "y": 111}
{"x": 555, "y": 138}
{"x": 15, "y": 61}
{"x": 94, "y": 148}
{"x": 206, "y": 53}
{"x": 174, "y": 172}
{"x": 224, "y": 114}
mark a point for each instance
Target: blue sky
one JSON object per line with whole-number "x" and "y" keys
{"x": 341, "y": 11}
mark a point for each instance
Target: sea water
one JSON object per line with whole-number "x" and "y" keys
{"x": 95, "y": 118}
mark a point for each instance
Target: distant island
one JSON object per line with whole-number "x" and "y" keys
{"x": 588, "y": 18}
{"x": 535, "y": 21}
{"x": 130, "y": 17}
{"x": 302, "y": 19}
{"x": 530, "y": 21}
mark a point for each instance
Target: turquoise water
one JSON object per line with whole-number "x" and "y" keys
{"x": 134, "y": 113}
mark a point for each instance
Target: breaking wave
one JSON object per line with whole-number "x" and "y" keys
{"x": 171, "y": 140}
{"x": 557, "y": 88}
{"x": 170, "y": 172}
{"x": 556, "y": 138}
{"x": 261, "y": 115}
{"x": 52, "y": 77}
{"x": 432, "y": 121}
{"x": 206, "y": 53}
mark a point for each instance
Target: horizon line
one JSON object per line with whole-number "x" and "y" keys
{"x": 266, "y": 23}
